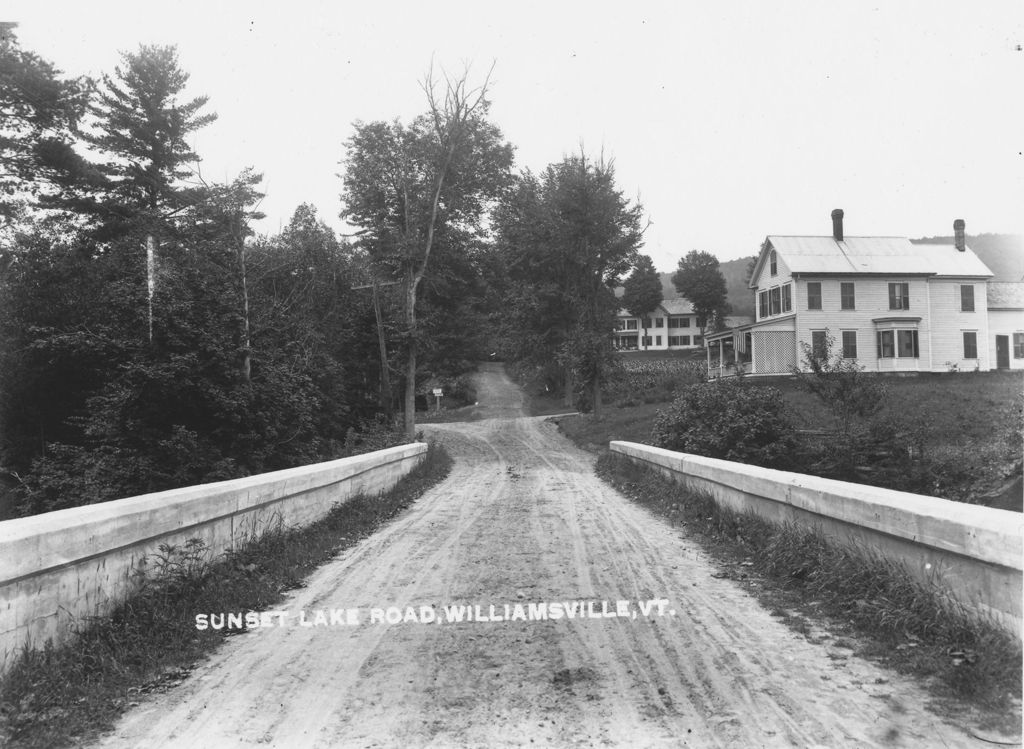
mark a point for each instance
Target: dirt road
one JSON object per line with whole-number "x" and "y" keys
{"x": 523, "y": 520}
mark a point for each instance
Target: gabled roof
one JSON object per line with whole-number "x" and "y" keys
{"x": 887, "y": 255}
{"x": 1005, "y": 295}
{"x": 676, "y": 306}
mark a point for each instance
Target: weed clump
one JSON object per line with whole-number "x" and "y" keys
{"x": 57, "y": 696}
{"x": 919, "y": 629}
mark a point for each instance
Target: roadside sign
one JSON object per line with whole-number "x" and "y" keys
{"x": 438, "y": 392}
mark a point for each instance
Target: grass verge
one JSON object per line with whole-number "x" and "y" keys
{"x": 59, "y": 696}
{"x": 898, "y": 621}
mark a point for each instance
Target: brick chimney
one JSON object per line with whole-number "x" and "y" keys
{"x": 958, "y": 234}
{"x": 837, "y": 224}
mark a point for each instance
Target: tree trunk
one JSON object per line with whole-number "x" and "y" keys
{"x": 568, "y": 387}
{"x": 385, "y": 372}
{"x": 410, "y": 368}
{"x": 150, "y": 278}
{"x": 247, "y": 339}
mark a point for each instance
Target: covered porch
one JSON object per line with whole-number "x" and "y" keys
{"x": 730, "y": 352}
{"x": 751, "y": 349}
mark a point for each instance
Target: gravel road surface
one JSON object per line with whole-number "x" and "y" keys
{"x": 692, "y": 661}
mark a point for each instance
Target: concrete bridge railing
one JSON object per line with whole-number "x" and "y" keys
{"x": 59, "y": 568}
{"x": 972, "y": 553}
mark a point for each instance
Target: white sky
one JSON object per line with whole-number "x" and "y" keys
{"x": 729, "y": 120}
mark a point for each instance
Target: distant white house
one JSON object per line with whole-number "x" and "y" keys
{"x": 892, "y": 305}
{"x": 673, "y": 325}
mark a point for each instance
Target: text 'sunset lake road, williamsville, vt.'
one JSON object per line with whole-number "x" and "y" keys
{"x": 524, "y": 602}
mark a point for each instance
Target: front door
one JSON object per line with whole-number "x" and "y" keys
{"x": 1003, "y": 351}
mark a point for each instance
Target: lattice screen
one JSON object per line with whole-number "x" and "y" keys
{"x": 774, "y": 351}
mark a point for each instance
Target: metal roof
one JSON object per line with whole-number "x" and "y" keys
{"x": 888, "y": 255}
{"x": 1005, "y": 295}
{"x": 678, "y": 306}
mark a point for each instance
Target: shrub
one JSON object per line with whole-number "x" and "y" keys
{"x": 730, "y": 420}
{"x": 846, "y": 389}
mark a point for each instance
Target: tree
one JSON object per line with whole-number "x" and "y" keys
{"x": 570, "y": 235}
{"x": 140, "y": 134}
{"x": 40, "y": 111}
{"x": 853, "y": 396}
{"x": 700, "y": 280}
{"x": 642, "y": 290}
{"x": 407, "y": 186}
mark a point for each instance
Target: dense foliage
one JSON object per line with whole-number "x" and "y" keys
{"x": 567, "y": 237}
{"x": 699, "y": 279}
{"x": 638, "y": 381}
{"x": 148, "y": 338}
{"x": 641, "y": 293}
{"x": 422, "y": 190}
{"x": 728, "y": 419}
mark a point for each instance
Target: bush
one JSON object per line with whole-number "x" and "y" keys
{"x": 728, "y": 419}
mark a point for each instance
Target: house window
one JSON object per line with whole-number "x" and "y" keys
{"x": 620, "y": 324}
{"x": 673, "y": 340}
{"x": 849, "y": 344}
{"x": 886, "y": 348}
{"x": 901, "y": 343}
{"x": 646, "y": 340}
{"x": 846, "y": 295}
{"x": 697, "y": 340}
{"x": 814, "y": 295}
{"x": 775, "y": 296}
{"x": 657, "y": 340}
{"x": 899, "y": 296}
{"x": 970, "y": 344}
{"x": 630, "y": 324}
{"x": 647, "y": 323}
{"x": 907, "y": 343}
{"x": 773, "y": 260}
{"x": 967, "y": 298}
{"x": 787, "y": 297}
{"x": 762, "y": 304}
{"x": 819, "y": 343}
{"x": 679, "y": 322}
{"x": 684, "y": 340}
{"x": 1018, "y": 345}
{"x": 659, "y": 322}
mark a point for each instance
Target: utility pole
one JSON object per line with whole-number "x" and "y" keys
{"x": 385, "y": 372}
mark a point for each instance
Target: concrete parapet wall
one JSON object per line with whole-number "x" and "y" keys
{"x": 60, "y": 568}
{"x": 972, "y": 553}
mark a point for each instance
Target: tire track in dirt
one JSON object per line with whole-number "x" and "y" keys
{"x": 522, "y": 518}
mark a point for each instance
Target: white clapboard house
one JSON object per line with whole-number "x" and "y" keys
{"x": 673, "y": 325}
{"x": 892, "y": 305}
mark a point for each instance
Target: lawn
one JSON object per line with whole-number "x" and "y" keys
{"x": 962, "y": 417}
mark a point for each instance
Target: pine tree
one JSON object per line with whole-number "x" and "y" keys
{"x": 40, "y": 111}
{"x": 140, "y": 134}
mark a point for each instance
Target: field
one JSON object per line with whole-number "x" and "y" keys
{"x": 963, "y": 420}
